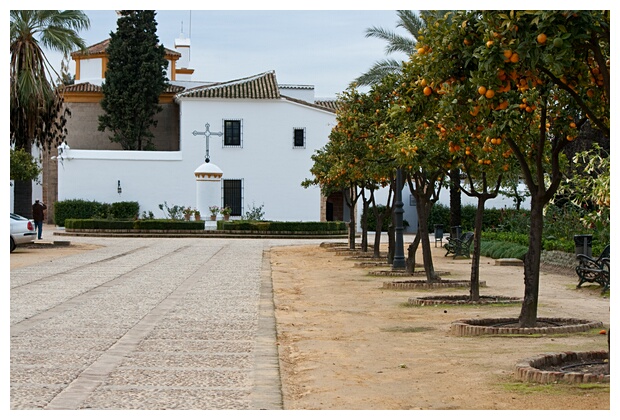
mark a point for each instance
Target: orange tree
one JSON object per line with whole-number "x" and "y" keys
{"x": 420, "y": 147}
{"x": 485, "y": 160}
{"x": 348, "y": 161}
{"x": 541, "y": 75}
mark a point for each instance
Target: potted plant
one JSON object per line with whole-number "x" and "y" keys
{"x": 187, "y": 212}
{"x": 196, "y": 214}
{"x": 226, "y": 212}
{"x": 214, "y": 211}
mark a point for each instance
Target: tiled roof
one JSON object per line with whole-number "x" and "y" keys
{"x": 260, "y": 86}
{"x": 331, "y": 104}
{"x": 102, "y": 46}
{"x": 83, "y": 87}
{"x": 90, "y": 88}
{"x": 307, "y": 87}
{"x": 313, "y": 105}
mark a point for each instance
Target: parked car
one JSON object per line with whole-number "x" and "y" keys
{"x": 22, "y": 231}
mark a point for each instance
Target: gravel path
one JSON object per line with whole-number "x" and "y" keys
{"x": 145, "y": 323}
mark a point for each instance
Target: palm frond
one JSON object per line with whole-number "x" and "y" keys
{"x": 378, "y": 71}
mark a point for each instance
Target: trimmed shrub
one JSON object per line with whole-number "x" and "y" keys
{"x": 151, "y": 224}
{"x": 269, "y": 226}
{"x": 76, "y": 209}
{"x": 84, "y": 209}
{"x": 167, "y": 224}
{"x": 125, "y": 210}
{"x": 98, "y": 224}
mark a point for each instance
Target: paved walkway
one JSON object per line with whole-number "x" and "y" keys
{"x": 145, "y": 323}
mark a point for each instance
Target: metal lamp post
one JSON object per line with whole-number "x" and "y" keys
{"x": 399, "y": 251}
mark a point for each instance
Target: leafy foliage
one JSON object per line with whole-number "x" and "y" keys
{"x": 255, "y": 213}
{"x": 133, "y": 81}
{"x": 24, "y": 166}
{"x": 175, "y": 212}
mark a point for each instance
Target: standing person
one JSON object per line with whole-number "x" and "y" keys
{"x": 38, "y": 216}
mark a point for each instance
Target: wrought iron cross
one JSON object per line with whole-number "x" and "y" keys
{"x": 207, "y": 133}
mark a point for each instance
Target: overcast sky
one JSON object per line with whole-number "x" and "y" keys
{"x": 324, "y": 48}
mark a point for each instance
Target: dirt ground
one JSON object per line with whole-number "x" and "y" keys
{"x": 347, "y": 343}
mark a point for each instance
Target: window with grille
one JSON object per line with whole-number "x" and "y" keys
{"x": 232, "y": 133}
{"x": 299, "y": 138}
{"x": 232, "y": 195}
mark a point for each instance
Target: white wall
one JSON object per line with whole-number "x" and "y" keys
{"x": 271, "y": 169}
{"x": 90, "y": 71}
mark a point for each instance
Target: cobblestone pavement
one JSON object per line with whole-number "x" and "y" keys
{"x": 143, "y": 323}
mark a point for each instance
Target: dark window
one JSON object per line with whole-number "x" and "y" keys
{"x": 299, "y": 137}
{"x": 232, "y": 132}
{"x": 233, "y": 195}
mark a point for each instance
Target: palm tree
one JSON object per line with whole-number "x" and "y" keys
{"x": 35, "y": 101}
{"x": 413, "y": 24}
{"x": 409, "y": 21}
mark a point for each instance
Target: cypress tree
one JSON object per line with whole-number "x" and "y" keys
{"x": 134, "y": 79}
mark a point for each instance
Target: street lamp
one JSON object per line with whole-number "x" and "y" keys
{"x": 399, "y": 251}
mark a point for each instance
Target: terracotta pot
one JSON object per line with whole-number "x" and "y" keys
{"x": 213, "y": 216}
{"x": 197, "y": 217}
{"x": 226, "y": 216}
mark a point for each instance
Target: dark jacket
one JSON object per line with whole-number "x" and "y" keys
{"x": 37, "y": 211}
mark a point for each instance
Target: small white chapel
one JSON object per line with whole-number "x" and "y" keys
{"x": 244, "y": 143}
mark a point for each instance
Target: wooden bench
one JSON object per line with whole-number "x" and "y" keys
{"x": 592, "y": 270}
{"x": 460, "y": 246}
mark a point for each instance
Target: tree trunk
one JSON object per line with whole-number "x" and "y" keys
{"x": 391, "y": 243}
{"x": 531, "y": 266}
{"x": 411, "y": 251}
{"x": 22, "y": 197}
{"x": 424, "y": 208}
{"x": 379, "y": 216}
{"x": 455, "y": 197}
{"x": 364, "y": 222}
{"x": 474, "y": 288}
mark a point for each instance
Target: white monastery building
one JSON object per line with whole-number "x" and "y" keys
{"x": 242, "y": 143}
{"x": 260, "y": 135}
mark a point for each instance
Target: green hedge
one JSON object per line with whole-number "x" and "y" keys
{"x": 154, "y": 224}
{"x": 84, "y": 209}
{"x": 268, "y": 226}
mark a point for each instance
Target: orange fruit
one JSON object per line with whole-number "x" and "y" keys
{"x": 482, "y": 90}
{"x": 421, "y": 50}
{"x": 423, "y": 82}
{"x": 541, "y": 38}
{"x": 507, "y": 53}
{"x": 427, "y": 91}
{"x": 590, "y": 93}
{"x": 514, "y": 58}
{"x": 490, "y": 93}
{"x": 573, "y": 125}
{"x": 489, "y": 43}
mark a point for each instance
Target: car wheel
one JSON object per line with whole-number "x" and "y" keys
{"x": 12, "y": 245}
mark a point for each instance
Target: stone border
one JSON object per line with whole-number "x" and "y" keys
{"x": 532, "y": 369}
{"x": 469, "y": 327}
{"x": 403, "y": 273}
{"x": 423, "y": 284}
{"x": 461, "y": 300}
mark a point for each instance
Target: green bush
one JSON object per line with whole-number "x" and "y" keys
{"x": 125, "y": 210}
{"x": 76, "y": 209}
{"x": 372, "y": 220}
{"x": 167, "y": 224}
{"x": 84, "y": 209}
{"x": 150, "y": 224}
{"x": 500, "y": 249}
{"x": 98, "y": 224}
{"x": 270, "y": 226}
